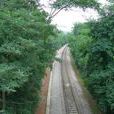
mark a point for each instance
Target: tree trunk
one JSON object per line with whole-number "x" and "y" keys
{"x": 4, "y": 100}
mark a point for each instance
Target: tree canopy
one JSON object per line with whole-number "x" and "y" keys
{"x": 92, "y": 48}
{"x": 76, "y": 3}
{"x": 26, "y": 49}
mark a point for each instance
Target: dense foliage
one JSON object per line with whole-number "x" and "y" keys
{"x": 76, "y": 3}
{"x": 93, "y": 50}
{"x": 25, "y": 51}
{"x": 27, "y": 46}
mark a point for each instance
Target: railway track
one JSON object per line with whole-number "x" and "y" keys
{"x": 73, "y": 96}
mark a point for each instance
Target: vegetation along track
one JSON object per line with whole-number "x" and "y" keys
{"x": 75, "y": 102}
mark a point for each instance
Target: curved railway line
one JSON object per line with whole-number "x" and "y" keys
{"x": 65, "y": 95}
{"x": 74, "y": 100}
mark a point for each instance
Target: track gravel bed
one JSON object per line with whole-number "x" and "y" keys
{"x": 75, "y": 102}
{"x": 66, "y": 94}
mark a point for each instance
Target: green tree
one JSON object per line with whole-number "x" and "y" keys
{"x": 76, "y": 3}
{"x": 25, "y": 52}
{"x": 93, "y": 51}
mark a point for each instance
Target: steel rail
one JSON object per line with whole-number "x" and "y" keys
{"x": 74, "y": 101}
